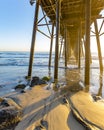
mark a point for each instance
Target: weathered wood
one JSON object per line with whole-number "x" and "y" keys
{"x": 60, "y": 53}
{"x": 43, "y": 33}
{"x": 51, "y": 45}
{"x": 79, "y": 46}
{"x": 87, "y": 41}
{"x": 33, "y": 39}
{"x": 82, "y": 49}
{"x": 65, "y": 44}
{"x": 58, "y": 5}
{"x": 99, "y": 48}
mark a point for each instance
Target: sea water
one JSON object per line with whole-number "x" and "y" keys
{"x": 14, "y": 68}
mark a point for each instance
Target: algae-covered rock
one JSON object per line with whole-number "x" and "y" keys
{"x": 46, "y": 78}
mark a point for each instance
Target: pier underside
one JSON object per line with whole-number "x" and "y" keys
{"x": 72, "y": 20}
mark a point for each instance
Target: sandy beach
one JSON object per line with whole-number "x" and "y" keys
{"x": 49, "y": 107}
{"x": 45, "y": 107}
{"x": 40, "y": 104}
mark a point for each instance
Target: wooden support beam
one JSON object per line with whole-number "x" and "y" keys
{"x": 101, "y": 34}
{"x": 79, "y": 46}
{"x": 101, "y": 26}
{"x": 33, "y": 39}
{"x": 61, "y": 48}
{"x": 65, "y": 44}
{"x": 46, "y": 22}
{"x": 87, "y": 42}
{"x": 82, "y": 49}
{"x": 43, "y": 33}
{"x": 85, "y": 50}
{"x": 44, "y": 15}
{"x": 99, "y": 47}
{"x": 58, "y": 6}
{"x": 50, "y": 55}
{"x": 100, "y": 85}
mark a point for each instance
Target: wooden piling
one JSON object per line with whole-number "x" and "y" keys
{"x": 58, "y": 5}
{"x": 82, "y": 49}
{"x": 61, "y": 48}
{"x": 51, "y": 45}
{"x": 99, "y": 47}
{"x": 79, "y": 46}
{"x": 33, "y": 39}
{"x": 65, "y": 44}
{"x": 87, "y": 41}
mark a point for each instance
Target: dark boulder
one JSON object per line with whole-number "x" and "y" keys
{"x": 37, "y": 81}
{"x": 10, "y": 102}
{"x": 44, "y": 123}
{"x": 96, "y": 98}
{"x": 8, "y": 116}
{"x": 5, "y": 103}
{"x": 20, "y": 86}
{"x": 34, "y": 81}
{"x": 42, "y": 82}
{"x": 23, "y": 91}
{"x": 10, "y": 113}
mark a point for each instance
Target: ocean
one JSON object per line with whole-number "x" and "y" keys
{"x": 14, "y": 68}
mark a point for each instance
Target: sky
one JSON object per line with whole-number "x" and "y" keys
{"x": 16, "y": 23}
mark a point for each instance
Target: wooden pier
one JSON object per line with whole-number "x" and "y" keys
{"x": 70, "y": 21}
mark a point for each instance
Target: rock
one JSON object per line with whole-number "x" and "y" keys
{"x": 20, "y": 86}
{"x": 46, "y": 78}
{"x": 10, "y": 113}
{"x": 44, "y": 123}
{"x": 10, "y": 102}
{"x": 64, "y": 100}
{"x": 37, "y": 128}
{"x": 23, "y": 91}
{"x": 42, "y": 82}
{"x": 34, "y": 81}
{"x": 4, "y": 103}
{"x": 96, "y": 98}
{"x": 37, "y": 81}
{"x": 8, "y": 116}
{"x": 35, "y": 78}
